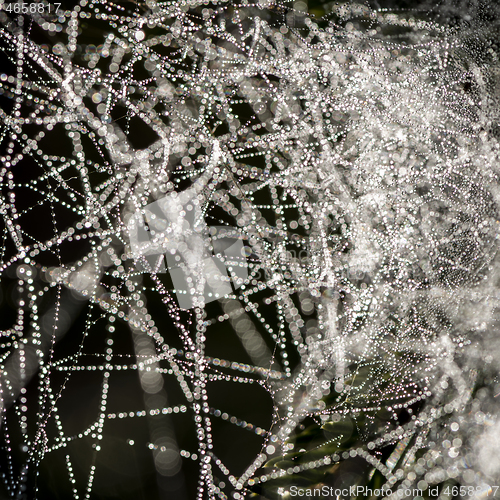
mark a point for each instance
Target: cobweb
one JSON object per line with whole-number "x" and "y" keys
{"x": 352, "y": 155}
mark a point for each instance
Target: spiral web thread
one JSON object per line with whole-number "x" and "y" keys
{"x": 358, "y": 163}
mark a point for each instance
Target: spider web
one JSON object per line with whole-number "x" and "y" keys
{"x": 354, "y": 156}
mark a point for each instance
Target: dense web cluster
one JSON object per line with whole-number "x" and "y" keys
{"x": 349, "y": 158}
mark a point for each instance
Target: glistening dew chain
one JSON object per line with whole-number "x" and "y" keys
{"x": 232, "y": 216}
